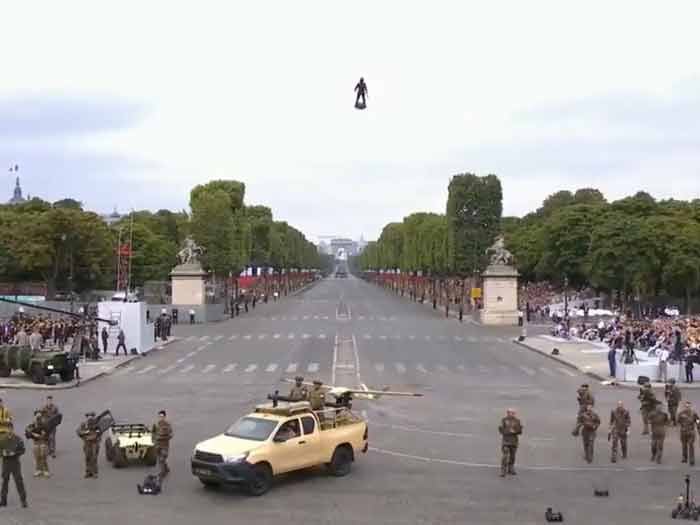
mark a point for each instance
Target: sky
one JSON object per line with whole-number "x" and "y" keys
{"x": 133, "y": 105}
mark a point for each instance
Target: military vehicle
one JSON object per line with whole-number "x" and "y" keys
{"x": 130, "y": 442}
{"x": 39, "y": 365}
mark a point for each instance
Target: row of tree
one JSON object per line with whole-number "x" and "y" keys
{"x": 69, "y": 248}
{"x": 637, "y": 247}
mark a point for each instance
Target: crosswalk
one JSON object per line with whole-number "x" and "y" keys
{"x": 182, "y": 367}
{"x": 280, "y": 337}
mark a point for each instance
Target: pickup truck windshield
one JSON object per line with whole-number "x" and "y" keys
{"x": 252, "y": 428}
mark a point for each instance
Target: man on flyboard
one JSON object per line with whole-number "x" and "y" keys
{"x": 361, "y": 89}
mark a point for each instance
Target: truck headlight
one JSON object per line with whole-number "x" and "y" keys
{"x": 235, "y": 459}
{"x": 49, "y": 367}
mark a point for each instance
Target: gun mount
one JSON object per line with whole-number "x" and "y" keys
{"x": 686, "y": 509}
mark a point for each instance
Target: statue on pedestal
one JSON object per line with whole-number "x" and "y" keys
{"x": 190, "y": 252}
{"x": 498, "y": 253}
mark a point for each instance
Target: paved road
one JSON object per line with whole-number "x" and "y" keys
{"x": 433, "y": 459}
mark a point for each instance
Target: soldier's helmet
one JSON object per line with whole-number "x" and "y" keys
{"x": 90, "y": 414}
{"x": 299, "y": 379}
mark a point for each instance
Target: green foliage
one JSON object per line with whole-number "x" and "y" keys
{"x": 474, "y": 208}
{"x": 213, "y": 227}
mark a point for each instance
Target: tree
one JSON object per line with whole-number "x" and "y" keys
{"x": 68, "y": 203}
{"x": 474, "y": 208}
{"x": 555, "y": 202}
{"x": 213, "y": 228}
{"x": 588, "y": 196}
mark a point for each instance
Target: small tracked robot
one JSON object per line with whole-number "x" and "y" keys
{"x": 686, "y": 509}
{"x": 553, "y": 517}
{"x": 151, "y": 485}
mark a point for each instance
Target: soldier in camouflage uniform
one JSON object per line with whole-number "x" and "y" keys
{"x": 584, "y": 398}
{"x": 162, "y": 433}
{"x": 39, "y": 433}
{"x": 587, "y": 423}
{"x": 90, "y": 433}
{"x": 648, "y": 402}
{"x": 619, "y": 427}
{"x": 658, "y": 420}
{"x": 299, "y": 392}
{"x": 689, "y": 421}
{"x": 50, "y": 410}
{"x": 12, "y": 466}
{"x": 317, "y": 396}
{"x": 510, "y": 429}
{"x": 673, "y": 397}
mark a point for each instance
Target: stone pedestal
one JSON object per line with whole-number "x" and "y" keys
{"x": 500, "y": 295}
{"x": 188, "y": 284}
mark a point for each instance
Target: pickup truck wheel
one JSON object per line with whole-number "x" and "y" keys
{"x": 262, "y": 479}
{"x": 109, "y": 450}
{"x": 209, "y": 484}
{"x": 341, "y": 462}
{"x": 67, "y": 375}
{"x": 120, "y": 460}
{"x": 5, "y": 372}
{"x": 38, "y": 374}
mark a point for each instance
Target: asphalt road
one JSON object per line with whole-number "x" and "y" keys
{"x": 433, "y": 459}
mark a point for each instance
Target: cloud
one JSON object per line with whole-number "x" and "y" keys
{"x": 42, "y": 116}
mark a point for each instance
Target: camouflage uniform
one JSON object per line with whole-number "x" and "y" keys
{"x": 673, "y": 397}
{"x": 317, "y": 398}
{"x": 688, "y": 420}
{"x": 90, "y": 434}
{"x": 510, "y": 429}
{"x": 39, "y": 433}
{"x": 11, "y": 466}
{"x": 619, "y": 425}
{"x": 50, "y": 410}
{"x": 648, "y": 402}
{"x": 163, "y": 433}
{"x": 658, "y": 420}
{"x": 587, "y": 423}
{"x": 299, "y": 392}
{"x": 584, "y": 397}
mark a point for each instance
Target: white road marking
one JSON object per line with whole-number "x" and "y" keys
{"x": 167, "y": 369}
{"x": 313, "y": 368}
{"x": 529, "y": 371}
{"x": 382, "y": 337}
{"x": 233, "y": 337}
{"x": 472, "y": 339}
{"x": 334, "y": 363}
{"x": 379, "y": 367}
{"x": 411, "y": 337}
{"x": 361, "y": 318}
{"x": 325, "y": 317}
{"x": 321, "y": 336}
{"x": 273, "y": 318}
{"x": 367, "y": 336}
{"x": 546, "y": 371}
{"x": 218, "y": 338}
{"x": 315, "y": 316}
{"x": 248, "y": 337}
{"x": 307, "y": 317}
{"x": 276, "y": 336}
{"x": 230, "y": 368}
{"x": 180, "y": 360}
{"x": 294, "y": 318}
{"x": 208, "y": 369}
{"x": 421, "y": 368}
{"x": 271, "y": 367}
{"x": 291, "y": 368}
{"x": 442, "y": 368}
{"x": 146, "y": 370}
{"x": 461, "y": 368}
{"x": 305, "y": 336}
{"x": 381, "y": 318}
{"x": 393, "y": 318}
{"x": 483, "y": 370}
{"x": 400, "y": 368}
{"x": 396, "y": 337}
{"x": 251, "y": 368}
{"x": 262, "y": 336}
{"x": 371, "y": 318}
{"x": 187, "y": 369}
{"x": 458, "y": 339}
{"x": 442, "y": 337}
{"x": 204, "y": 338}
{"x": 290, "y": 336}
{"x": 567, "y": 372}
{"x": 193, "y": 353}
{"x": 190, "y": 338}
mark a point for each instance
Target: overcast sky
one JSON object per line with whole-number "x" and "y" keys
{"x": 133, "y": 106}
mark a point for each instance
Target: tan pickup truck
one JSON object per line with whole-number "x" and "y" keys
{"x": 278, "y": 439}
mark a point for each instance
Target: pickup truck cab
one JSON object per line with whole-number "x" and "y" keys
{"x": 278, "y": 438}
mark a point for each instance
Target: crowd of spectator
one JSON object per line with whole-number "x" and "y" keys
{"x": 40, "y": 332}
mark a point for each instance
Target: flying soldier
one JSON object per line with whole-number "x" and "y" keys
{"x": 619, "y": 428}
{"x": 658, "y": 420}
{"x": 510, "y": 429}
{"x": 298, "y": 392}
{"x": 688, "y": 420}
{"x": 587, "y": 423}
{"x": 647, "y": 401}
{"x": 50, "y": 411}
{"x": 11, "y": 466}
{"x": 584, "y": 398}
{"x": 39, "y": 432}
{"x": 163, "y": 433}
{"x": 361, "y": 89}
{"x": 90, "y": 433}
{"x": 673, "y": 397}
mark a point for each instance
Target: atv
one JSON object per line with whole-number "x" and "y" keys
{"x": 130, "y": 442}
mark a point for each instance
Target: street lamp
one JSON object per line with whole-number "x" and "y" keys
{"x": 566, "y": 297}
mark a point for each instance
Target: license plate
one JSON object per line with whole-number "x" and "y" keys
{"x": 203, "y": 472}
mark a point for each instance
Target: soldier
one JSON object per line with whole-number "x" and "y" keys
{"x": 163, "y": 433}
{"x": 317, "y": 396}
{"x": 510, "y": 429}
{"x": 587, "y": 423}
{"x": 673, "y": 397}
{"x": 658, "y": 420}
{"x": 688, "y": 420}
{"x": 619, "y": 428}
{"x": 39, "y": 432}
{"x": 298, "y": 392}
{"x": 12, "y": 466}
{"x": 584, "y": 397}
{"x": 50, "y": 411}
{"x": 647, "y": 401}
{"x": 90, "y": 433}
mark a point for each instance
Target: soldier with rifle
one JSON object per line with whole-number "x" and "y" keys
{"x": 38, "y": 431}
{"x": 689, "y": 422}
{"x": 54, "y": 418}
{"x": 12, "y": 450}
{"x": 619, "y": 429}
{"x": 647, "y": 401}
{"x": 673, "y": 398}
{"x": 584, "y": 397}
{"x": 90, "y": 433}
{"x": 298, "y": 392}
{"x": 587, "y": 423}
{"x": 510, "y": 429}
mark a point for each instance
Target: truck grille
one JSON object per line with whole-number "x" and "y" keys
{"x": 208, "y": 457}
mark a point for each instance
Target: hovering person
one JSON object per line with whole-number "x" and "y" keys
{"x": 361, "y": 89}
